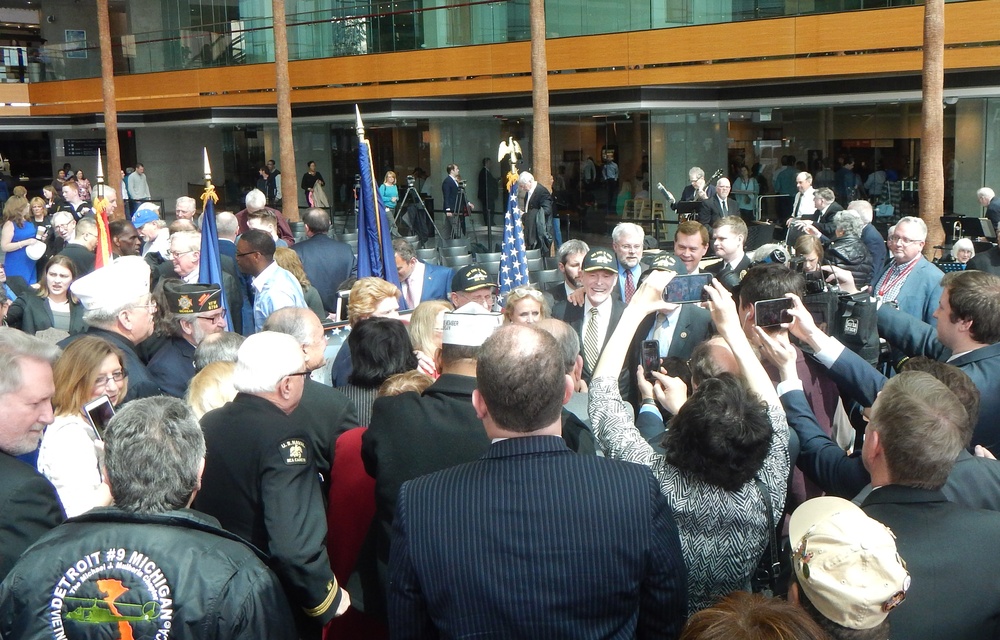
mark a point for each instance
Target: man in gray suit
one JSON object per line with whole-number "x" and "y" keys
{"x": 583, "y": 547}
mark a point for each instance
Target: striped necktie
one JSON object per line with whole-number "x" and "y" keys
{"x": 591, "y": 346}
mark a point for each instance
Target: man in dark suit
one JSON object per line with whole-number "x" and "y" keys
{"x": 545, "y": 572}
{"x": 453, "y": 202}
{"x": 719, "y": 205}
{"x": 327, "y": 262}
{"x": 697, "y": 189}
{"x": 911, "y": 444}
{"x": 570, "y": 257}
{"x": 989, "y": 199}
{"x": 627, "y": 240}
{"x": 728, "y": 238}
{"x": 822, "y": 218}
{"x": 596, "y": 320}
{"x": 419, "y": 281}
{"x": 323, "y": 412}
{"x": 537, "y": 209}
{"x": 28, "y": 501}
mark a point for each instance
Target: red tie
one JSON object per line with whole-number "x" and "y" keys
{"x": 629, "y": 285}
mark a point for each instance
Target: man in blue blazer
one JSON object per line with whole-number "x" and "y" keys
{"x": 533, "y": 541}
{"x": 419, "y": 281}
{"x": 327, "y": 262}
{"x": 909, "y": 280}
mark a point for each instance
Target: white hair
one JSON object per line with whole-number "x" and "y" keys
{"x": 623, "y": 229}
{"x": 186, "y": 200}
{"x": 963, "y": 243}
{"x": 255, "y": 200}
{"x": 525, "y": 178}
{"x": 864, "y": 209}
{"x": 264, "y": 359}
{"x": 986, "y": 193}
{"x": 916, "y": 222}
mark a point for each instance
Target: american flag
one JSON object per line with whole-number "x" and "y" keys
{"x": 513, "y": 263}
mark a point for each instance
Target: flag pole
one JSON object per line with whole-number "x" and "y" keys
{"x": 210, "y": 262}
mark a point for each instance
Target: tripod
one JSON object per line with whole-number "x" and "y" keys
{"x": 456, "y": 229}
{"x": 416, "y": 224}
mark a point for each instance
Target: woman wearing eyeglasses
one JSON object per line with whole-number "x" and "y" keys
{"x": 526, "y": 305}
{"x": 54, "y": 306}
{"x": 72, "y": 451}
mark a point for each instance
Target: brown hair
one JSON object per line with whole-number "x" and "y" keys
{"x": 751, "y": 616}
{"x": 692, "y": 228}
{"x": 62, "y": 261}
{"x": 74, "y": 373}
{"x": 16, "y": 210}
{"x": 290, "y": 261}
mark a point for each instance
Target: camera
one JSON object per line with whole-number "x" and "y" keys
{"x": 815, "y": 280}
{"x": 411, "y": 181}
{"x": 461, "y": 184}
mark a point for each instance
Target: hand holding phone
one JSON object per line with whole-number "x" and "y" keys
{"x": 772, "y": 313}
{"x": 684, "y": 289}
{"x": 99, "y": 412}
{"x": 650, "y": 358}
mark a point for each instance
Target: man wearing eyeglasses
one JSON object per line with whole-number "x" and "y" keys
{"x": 119, "y": 308}
{"x": 81, "y": 248}
{"x": 627, "y": 239}
{"x": 195, "y": 311}
{"x": 910, "y": 282}
{"x": 260, "y": 480}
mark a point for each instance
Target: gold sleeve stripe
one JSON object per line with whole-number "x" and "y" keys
{"x": 333, "y": 595}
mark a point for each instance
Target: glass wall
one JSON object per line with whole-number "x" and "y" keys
{"x": 191, "y": 34}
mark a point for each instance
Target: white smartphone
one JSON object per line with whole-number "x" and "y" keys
{"x": 99, "y": 412}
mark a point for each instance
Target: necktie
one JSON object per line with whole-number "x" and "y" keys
{"x": 795, "y": 207}
{"x": 725, "y": 208}
{"x": 662, "y": 333}
{"x": 408, "y": 294}
{"x": 629, "y": 286}
{"x": 591, "y": 346}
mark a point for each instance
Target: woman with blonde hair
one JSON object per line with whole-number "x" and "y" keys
{"x": 290, "y": 261}
{"x": 369, "y": 298}
{"x": 17, "y": 234}
{"x": 426, "y": 330}
{"x": 388, "y": 192}
{"x": 526, "y": 305}
{"x": 72, "y": 452}
{"x": 211, "y": 388}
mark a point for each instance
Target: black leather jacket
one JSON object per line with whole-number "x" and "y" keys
{"x": 850, "y": 253}
{"x": 176, "y": 575}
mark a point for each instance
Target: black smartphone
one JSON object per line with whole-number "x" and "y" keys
{"x": 99, "y": 412}
{"x": 771, "y": 313}
{"x": 687, "y": 288}
{"x": 650, "y": 358}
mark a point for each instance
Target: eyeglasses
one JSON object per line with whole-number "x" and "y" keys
{"x": 149, "y": 306}
{"x": 248, "y": 253}
{"x": 178, "y": 254}
{"x": 298, "y": 373}
{"x": 525, "y": 292}
{"x": 117, "y": 376}
{"x": 218, "y": 318}
{"x": 901, "y": 240}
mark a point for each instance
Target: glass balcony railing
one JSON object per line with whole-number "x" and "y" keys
{"x": 359, "y": 27}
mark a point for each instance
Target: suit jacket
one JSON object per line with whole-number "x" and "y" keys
{"x": 36, "y": 315}
{"x": 437, "y": 283}
{"x": 951, "y": 554}
{"x": 449, "y": 194}
{"x": 915, "y": 338}
{"x": 411, "y": 435}
{"x": 729, "y": 280}
{"x": 172, "y": 366}
{"x": 711, "y": 210}
{"x": 557, "y": 290}
{"x": 694, "y": 326}
{"x": 573, "y": 316}
{"x": 921, "y": 291}
{"x": 993, "y": 211}
{"x": 824, "y": 221}
{"x": 462, "y": 568}
{"x": 30, "y": 507}
{"x": 323, "y": 414}
{"x": 988, "y": 261}
{"x": 538, "y": 218}
{"x": 327, "y": 263}
{"x": 876, "y": 247}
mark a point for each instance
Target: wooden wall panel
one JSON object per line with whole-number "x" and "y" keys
{"x": 777, "y": 49}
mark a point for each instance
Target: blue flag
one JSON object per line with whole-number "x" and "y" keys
{"x": 375, "y": 254}
{"x": 210, "y": 265}
{"x": 513, "y": 263}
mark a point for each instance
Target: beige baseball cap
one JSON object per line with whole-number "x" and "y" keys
{"x": 846, "y": 562}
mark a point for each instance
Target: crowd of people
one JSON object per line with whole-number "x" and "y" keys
{"x": 590, "y": 459}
